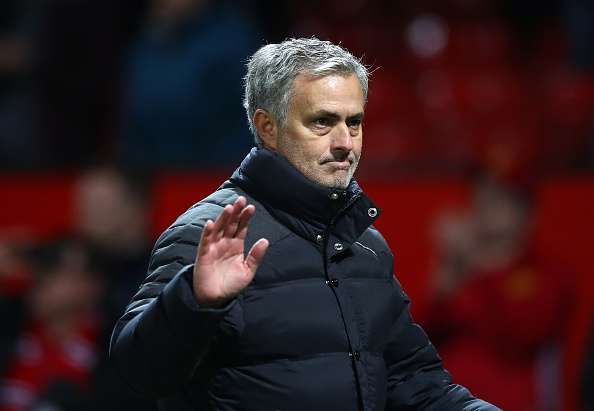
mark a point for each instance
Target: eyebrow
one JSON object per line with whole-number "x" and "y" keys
{"x": 358, "y": 116}
{"x": 336, "y": 116}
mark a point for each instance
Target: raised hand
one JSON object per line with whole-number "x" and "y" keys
{"x": 221, "y": 270}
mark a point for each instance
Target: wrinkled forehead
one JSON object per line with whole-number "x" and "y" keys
{"x": 340, "y": 92}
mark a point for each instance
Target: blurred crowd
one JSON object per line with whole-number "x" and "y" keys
{"x": 498, "y": 89}
{"x": 61, "y": 297}
{"x": 457, "y": 86}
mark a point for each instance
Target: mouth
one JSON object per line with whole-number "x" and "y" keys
{"x": 340, "y": 165}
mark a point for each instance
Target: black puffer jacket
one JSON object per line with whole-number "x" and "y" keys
{"x": 323, "y": 326}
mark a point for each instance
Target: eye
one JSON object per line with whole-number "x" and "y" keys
{"x": 354, "y": 123}
{"x": 321, "y": 122}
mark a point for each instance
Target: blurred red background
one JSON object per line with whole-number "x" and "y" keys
{"x": 131, "y": 112}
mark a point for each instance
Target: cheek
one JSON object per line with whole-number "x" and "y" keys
{"x": 357, "y": 146}
{"x": 318, "y": 151}
{"x": 305, "y": 149}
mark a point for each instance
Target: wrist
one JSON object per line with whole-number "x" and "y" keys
{"x": 209, "y": 302}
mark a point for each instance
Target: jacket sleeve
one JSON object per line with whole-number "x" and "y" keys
{"x": 163, "y": 335}
{"x": 416, "y": 377}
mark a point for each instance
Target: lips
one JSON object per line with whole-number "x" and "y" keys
{"x": 343, "y": 165}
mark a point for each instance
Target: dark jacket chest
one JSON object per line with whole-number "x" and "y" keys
{"x": 314, "y": 298}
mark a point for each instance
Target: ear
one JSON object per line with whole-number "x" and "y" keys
{"x": 266, "y": 128}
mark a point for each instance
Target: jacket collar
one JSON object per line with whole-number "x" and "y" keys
{"x": 286, "y": 193}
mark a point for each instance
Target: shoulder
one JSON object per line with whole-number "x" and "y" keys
{"x": 188, "y": 226}
{"x": 376, "y": 240}
{"x": 207, "y": 208}
{"x": 372, "y": 240}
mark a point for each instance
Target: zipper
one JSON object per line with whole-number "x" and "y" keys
{"x": 344, "y": 323}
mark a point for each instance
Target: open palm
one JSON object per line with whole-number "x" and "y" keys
{"x": 221, "y": 270}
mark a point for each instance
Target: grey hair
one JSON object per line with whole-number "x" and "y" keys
{"x": 272, "y": 69}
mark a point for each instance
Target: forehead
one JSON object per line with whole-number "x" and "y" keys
{"x": 335, "y": 92}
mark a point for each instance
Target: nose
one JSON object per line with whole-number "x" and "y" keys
{"x": 342, "y": 141}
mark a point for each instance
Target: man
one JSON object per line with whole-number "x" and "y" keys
{"x": 310, "y": 317}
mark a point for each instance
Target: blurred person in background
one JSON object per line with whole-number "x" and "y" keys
{"x": 55, "y": 349}
{"x": 112, "y": 220}
{"x": 499, "y": 308}
{"x": 184, "y": 83}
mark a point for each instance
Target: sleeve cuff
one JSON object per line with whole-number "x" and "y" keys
{"x": 183, "y": 311}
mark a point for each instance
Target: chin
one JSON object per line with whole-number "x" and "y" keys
{"x": 337, "y": 179}
{"x": 341, "y": 182}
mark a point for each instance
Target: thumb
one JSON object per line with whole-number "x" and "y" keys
{"x": 256, "y": 254}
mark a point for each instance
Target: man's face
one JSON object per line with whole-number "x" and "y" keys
{"x": 323, "y": 134}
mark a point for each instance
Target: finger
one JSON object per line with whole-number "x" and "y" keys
{"x": 254, "y": 257}
{"x": 205, "y": 237}
{"x": 231, "y": 226}
{"x": 207, "y": 230}
{"x": 244, "y": 218}
{"x": 221, "y": 222}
